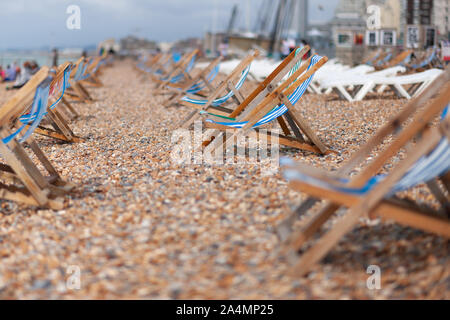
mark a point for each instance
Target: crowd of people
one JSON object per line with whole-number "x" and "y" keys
{"x": 18, "y": 76}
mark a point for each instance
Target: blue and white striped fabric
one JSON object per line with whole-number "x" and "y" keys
{"x": 30, "y": 117}
{"x": 427, "y": 61}
{"x": 180, "y": 76}
{"x": 435, "y": 164}
{"x": 280, "y": 109}
{"x": 385, "y": 60}
{"x": 225, "y": 98}
{"x": 201, "y": 85}
{"x": 38, "y": 108}
{"x": 373, "y": 59}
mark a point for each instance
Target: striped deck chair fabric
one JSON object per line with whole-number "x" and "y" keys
{"x": 219, "y": 101}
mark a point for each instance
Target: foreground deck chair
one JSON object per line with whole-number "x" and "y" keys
{"x": 199, "y": 81}
{"x": 278, "y": 105}
{"x": 229, "y": 88}
{"x": 405, "y": 86}
{"x": 22, "y": 180}
{"x": 367, "y": 193}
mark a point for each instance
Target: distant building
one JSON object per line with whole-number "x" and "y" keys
{"x": 132, "y": 44}
{"x": 441, "y": 12}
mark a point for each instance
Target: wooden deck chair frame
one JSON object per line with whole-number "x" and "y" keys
{"x": 228, "y": 84}
{"x": 93, "y": 80}
{"x": 21, "y": 179}
{"x": 374, "y": 55}
{"x": 176, "y": 91}
{"x": 178, "y": 69}
{"x": 373, "y": 203}
{"x": 149, "y": 64}
{"x": 396, "y": 60}
{"x": 264, "y": 88}
{"x": 160, "y": 65}
{"x": 60, "y": 128}
{"x": 296, "y": 132}
{"x": 77, "y": 91}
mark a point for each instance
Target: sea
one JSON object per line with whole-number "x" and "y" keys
{"x": 43, "y": 58}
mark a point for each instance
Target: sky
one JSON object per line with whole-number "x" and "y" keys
{"x": 36, "y": 24}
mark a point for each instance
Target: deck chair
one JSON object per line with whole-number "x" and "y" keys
{"x": 367, "y": 193}
{"x": 218, "y": 107}
{"x": 147, "y": 64}
{"x": 59, "y": 128}
{"x": 430, "y": 60}
{"x": 278, "y": 105}
{"x": 229, "y": 88}
{"x": 405, "y": 86}
{"x": 91, "y": 76}
{"x": 177, "y": 71}
{"x": 187, "y": 79}
{"x": 402, "y": 58}
{"x": 76, "y": 91}
{"x": 21, "y": 178}
{"x": 199, "y": 81}
{"x": 372, "y": 57}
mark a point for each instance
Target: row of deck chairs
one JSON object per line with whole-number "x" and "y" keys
{"x": 405, "y": 79}
{"x": 43, "y": 106}
{"x": 422, "y": 128}
{"x": 225, "y": 106}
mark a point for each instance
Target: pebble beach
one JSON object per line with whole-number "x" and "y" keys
{"x": 139, "y": 226}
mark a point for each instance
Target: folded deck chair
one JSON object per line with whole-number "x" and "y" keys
{"x": 60, "y": 128}
{"x": 278, "y": 105}
{"x": 366, "y": 193}
{"x": 228, "y": 88}
{"x": 21, "y": 178}
{"x": 406, "y": 86}
{"x": 199, "y": 81}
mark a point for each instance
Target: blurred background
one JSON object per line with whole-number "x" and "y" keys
{"x": 346, "y": 29}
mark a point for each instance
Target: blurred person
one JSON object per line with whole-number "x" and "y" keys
{"x": 84, "y": 54}
{"x": 55, "y": 57}
{"x": 284, "y": 49}
{"x": 34, "y": 67}
{"x": 10, "y": 73}
{"x": 2, "y": 74}
{"x": 223, "y": 49}
{"x": 291, "y": 44}
{"x": 24, "y": 76}
{"x": 304, "y": 43}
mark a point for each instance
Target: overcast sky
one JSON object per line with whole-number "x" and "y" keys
{"x": 34, "y": 24}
